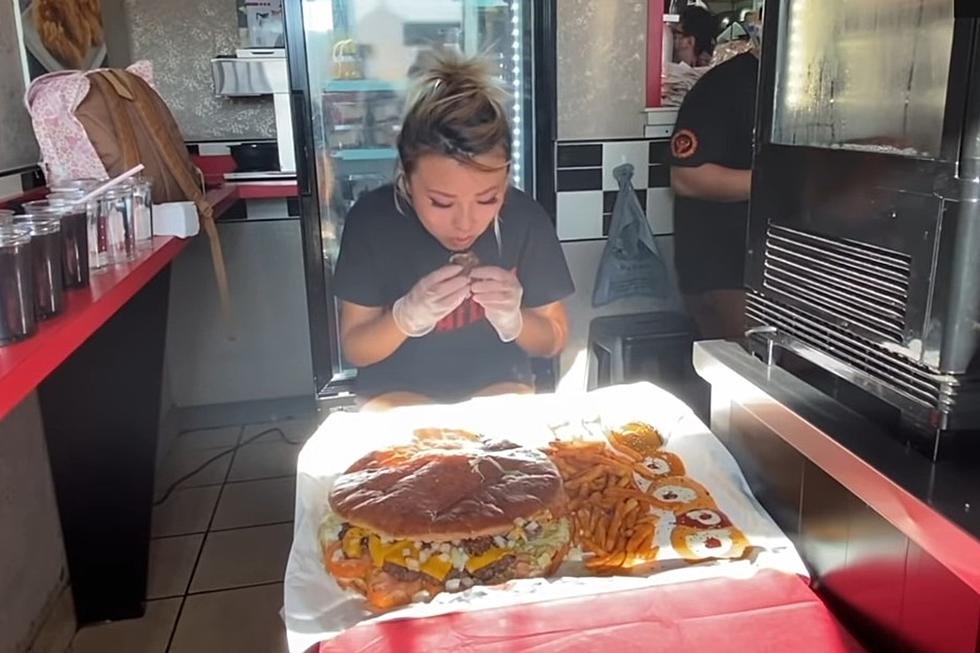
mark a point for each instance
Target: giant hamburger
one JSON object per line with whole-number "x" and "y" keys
{"x": 444, "y": 514}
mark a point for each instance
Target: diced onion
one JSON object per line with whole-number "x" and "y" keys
{"x": 452, "y": 584}
{"x": 412, "y": 564}
{"x": 458, "y": 557}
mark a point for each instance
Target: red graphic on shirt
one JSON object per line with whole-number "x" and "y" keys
{"x": 684, "y": 144}
{"x": 465, "y": 314}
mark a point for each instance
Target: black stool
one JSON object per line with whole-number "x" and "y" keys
{"x": 654, "y": 347}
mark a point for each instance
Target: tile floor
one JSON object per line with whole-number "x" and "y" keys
{"x": 219, "y": 548}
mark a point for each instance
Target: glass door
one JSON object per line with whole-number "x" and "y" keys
{"x": 359, "y": 60}
{"x": 869, "y": 76}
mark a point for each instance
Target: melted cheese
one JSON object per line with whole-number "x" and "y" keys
{"x": 479, "y": 562}
{"x": 393, "y": 552}
{"x": 437, "y": 567}
{"x": 376, "y": 550}
{"x": 352, "y": 542}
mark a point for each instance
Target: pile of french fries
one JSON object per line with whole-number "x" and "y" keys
{"x": 612, "y": 521}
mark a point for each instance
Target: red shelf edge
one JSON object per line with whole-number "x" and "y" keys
{"x": 66, "y": 333}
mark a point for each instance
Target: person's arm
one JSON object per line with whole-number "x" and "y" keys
{"x": 706, "y": 140}
{"x": 545, "y": 330}
{"x": 710, "y": 181}
{"x": 368, "y": 334}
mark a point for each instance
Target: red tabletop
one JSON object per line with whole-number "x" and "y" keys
{"x": 25, "y": 364}
{"x": 769, "y": 612}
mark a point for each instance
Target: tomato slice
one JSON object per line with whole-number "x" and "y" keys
{"x": 384, "y": 591}
{"x": 346, "y": 568}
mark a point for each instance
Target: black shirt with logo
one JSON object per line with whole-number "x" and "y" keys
{"x": 715, "y": 125}
{"x": 384, "y": 252}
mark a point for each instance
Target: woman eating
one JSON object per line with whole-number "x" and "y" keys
{"x": 450, "y": 279}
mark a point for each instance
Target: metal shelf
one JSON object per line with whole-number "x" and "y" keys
{"x": 362, "y": 86}
{"x": 366, "y": 154}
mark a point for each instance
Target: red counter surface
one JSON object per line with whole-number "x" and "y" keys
{"x": 25, "y": 364}
{"x": 771, "y": 611}
{"x": 222, "y": 197}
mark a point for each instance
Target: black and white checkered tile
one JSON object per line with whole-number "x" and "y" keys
{"x": 587, "y": 188}
{"x": 18, "y": 181}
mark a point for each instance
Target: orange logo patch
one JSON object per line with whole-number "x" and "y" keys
{"x": 684, "y": 144}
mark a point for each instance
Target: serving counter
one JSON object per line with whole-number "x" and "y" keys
{"x": 97, "y": 369}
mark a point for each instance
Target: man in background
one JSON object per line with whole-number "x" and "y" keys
{"x": 694, "y": 36}
{"x": 711, "y": 161}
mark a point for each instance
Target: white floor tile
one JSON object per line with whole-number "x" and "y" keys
{"x": 268, "y": 457}
{"x": 185, "y": 511}
{"x": 246, "y": 556}
{"x": 253, "y": 503}
{"x": 147, "y": 635}
{"x": 226, "y": 436}
{"x": 244, "y": 621}
{"x": 171, "y": 563}
{"x": 180, "y": 462}
{"x": 297, "y": 430}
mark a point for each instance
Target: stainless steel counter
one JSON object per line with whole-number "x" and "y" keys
{"x": 893, "y": 540}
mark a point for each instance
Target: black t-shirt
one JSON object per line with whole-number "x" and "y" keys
{"x": 383, "y": 254}
{"x": 714, "y": 125}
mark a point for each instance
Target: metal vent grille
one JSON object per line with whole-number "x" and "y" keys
{"x": 859, "y": 284}
{"x": 890, "y": 369}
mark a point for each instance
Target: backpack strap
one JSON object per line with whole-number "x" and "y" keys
{"x": 112, "y": 76}
{"x": 177, "y": 163}
{"x": 121, "y": 123}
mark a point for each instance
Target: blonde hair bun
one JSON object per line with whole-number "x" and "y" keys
{"x": 449, "y": 76}
{"x": 457, "y": 110}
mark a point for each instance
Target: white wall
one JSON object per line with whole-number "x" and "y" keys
{"x": 601, "y": 62}
{"x": 601, "y": 99}
{"x": 17, "y": 145}
{"x": 265, "y": 354}
{"x": 33, "y": 569}
{"x": 583, "y": 260}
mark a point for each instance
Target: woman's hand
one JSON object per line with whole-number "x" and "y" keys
{"x": 499, "y": 292}
{"x": 432, "y": 298}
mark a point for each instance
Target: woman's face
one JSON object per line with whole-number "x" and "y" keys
{"x": 456, "y": 202}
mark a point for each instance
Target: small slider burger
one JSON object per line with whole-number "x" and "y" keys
{"x": 466, "y": 260}
{"x": 444, "y": 514}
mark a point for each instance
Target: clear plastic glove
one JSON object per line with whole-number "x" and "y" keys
{"x": 499, "y": 292}
{"x": 432, "y": 298}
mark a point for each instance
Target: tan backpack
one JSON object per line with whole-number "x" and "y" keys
{"x": 124, "y": 122}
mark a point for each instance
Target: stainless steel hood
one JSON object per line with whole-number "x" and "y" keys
{"x": 254, "y": 73}
{"x": 247, "y": 74}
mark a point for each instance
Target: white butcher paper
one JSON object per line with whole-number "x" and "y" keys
{"x": 316, "y": 609}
